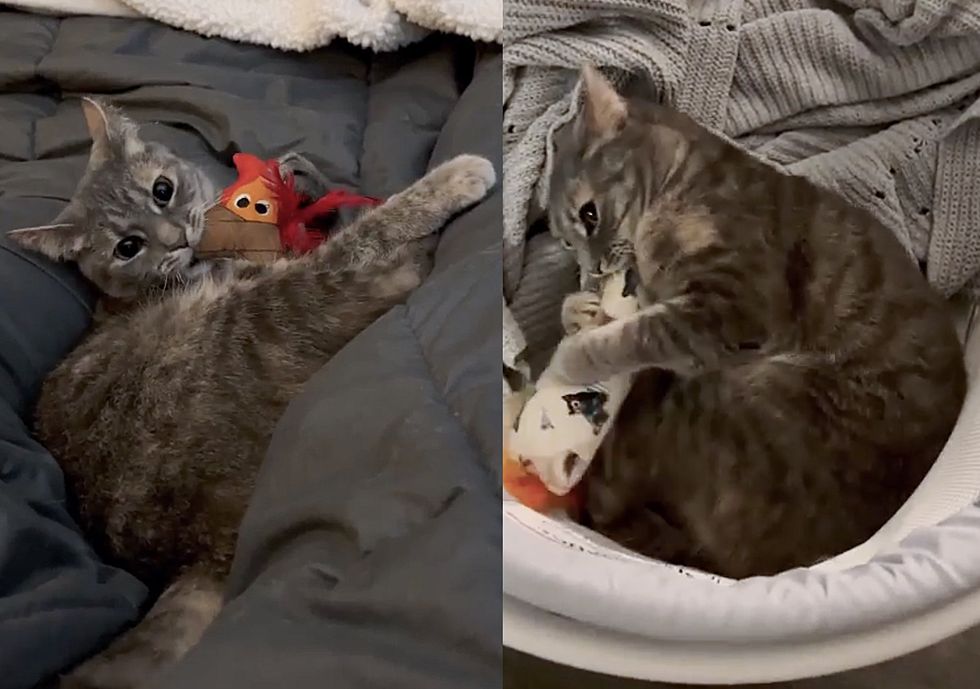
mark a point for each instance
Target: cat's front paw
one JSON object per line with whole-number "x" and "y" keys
{"x": 570, "y": 364}
{"x": 466, "y": 179}
{"x": 176, "y": 263}
{"x": 581, "y": 311}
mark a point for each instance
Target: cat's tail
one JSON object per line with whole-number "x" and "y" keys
{"x": 174, "y": 624}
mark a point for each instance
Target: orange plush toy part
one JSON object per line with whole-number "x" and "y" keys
{"x": 261, "y": 216}
{"x": 524, "y": 486}
{"x": 529, "y": 491}
{"x": 251, "y": 197}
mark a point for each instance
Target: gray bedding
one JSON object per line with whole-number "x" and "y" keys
{"x": 370, "y": 556}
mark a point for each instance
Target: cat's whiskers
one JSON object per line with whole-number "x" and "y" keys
{"x": 205, "y": 205}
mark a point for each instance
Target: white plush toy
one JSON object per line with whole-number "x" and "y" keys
{"x": 561, "y": 427}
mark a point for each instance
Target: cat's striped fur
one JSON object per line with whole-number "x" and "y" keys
{"x": 797, "y": 375}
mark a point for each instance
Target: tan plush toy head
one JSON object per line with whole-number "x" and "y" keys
{"x": 227, "y": 235}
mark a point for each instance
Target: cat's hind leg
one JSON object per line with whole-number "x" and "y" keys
{"x": 646, "y": 531}
{"x": 173, "y": 625}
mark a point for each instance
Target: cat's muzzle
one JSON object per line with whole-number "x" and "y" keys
{"x": 176, "y": 261}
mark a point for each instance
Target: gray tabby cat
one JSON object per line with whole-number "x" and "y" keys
{"x": 797, "y": 375}
{"x": 135, "y": 214}
{"x": 161, "y": 417}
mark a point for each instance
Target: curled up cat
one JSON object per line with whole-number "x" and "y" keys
{"x": 160, "y": 418}
{"x": 796, "y": 377}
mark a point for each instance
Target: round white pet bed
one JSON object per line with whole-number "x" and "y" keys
{"x": 580, "y": 600}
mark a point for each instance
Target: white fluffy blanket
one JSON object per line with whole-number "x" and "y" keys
{"x": 303, "y": 24}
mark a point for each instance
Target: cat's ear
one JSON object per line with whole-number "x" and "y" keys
{"x": 59, "y": 242}
{"x": 111, "y": 131}
{"x": 62, "y": 240}
{"x": 604, "y": 110}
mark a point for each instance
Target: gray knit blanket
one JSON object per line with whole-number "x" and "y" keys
{"x": 876, "y": 99}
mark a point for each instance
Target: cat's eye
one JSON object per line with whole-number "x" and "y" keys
{"x": 243, "y": 201}
{"x": 261, "y": 207}
{"x": 565, "y": 244}
{"x": 589, "y": 216}
{"x": 163, "y": 191}
{"x": 129, "y": 247}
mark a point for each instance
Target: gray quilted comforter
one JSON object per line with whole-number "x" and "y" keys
{"x": 370, "y": 556}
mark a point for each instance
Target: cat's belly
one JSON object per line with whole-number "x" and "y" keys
{"x": 687, "y": 476}
{"x": 157, "y": 516}
{"x": 160, "y": 480}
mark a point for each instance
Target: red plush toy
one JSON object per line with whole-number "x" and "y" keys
{"x": 261, "y": 216}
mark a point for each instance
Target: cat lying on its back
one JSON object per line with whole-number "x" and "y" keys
{"x": 161, "y": 417}
{"x": 797, "y": 375}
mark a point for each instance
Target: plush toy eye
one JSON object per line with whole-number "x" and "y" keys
{"x": 589, "y": 217}
{"x": 262, "y": 207}
{"x": 243, "y": 201}
{"x": 129, "y": 247}
{"x": 163, "y": 191}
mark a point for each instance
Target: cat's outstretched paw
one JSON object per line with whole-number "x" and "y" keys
{"x": 581, "y": 311}
{"x": 571, "y": 363}
{"x": 465, "y": 179}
